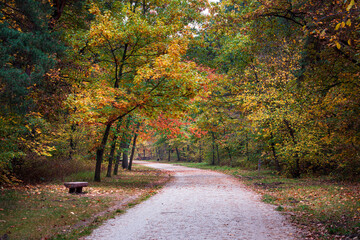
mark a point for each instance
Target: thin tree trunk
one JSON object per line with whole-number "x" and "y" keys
{"x": 213, "y": 149}
{"x": 112, "y": 151}
{"x": 217, "y": 153}
{"x": 247, "y": 147}
{"x": 259, "y": 164}
{"x": 59, "y": 6}
{"x": 116, "y": 167}
{"x": 178, "y": 154}
{"x": 276, "y": 160}
{"x": 133, "y": 147}
{"x": 125, "y": 143}
{"x": 100, "y": 153}
{"x": 200, "y": 157}
{"x": 71, "y": 142}
{"x": 169, "y": 155}
{"x": 230, "y": 157}
{"x": 188, "y": 153}
{"x": 111, "y": 157}
{"x": 213, "y": 154}
{"x": 157, "y": 153}
{"x": 125, "y": 159}
{"x": 296, "y": 172}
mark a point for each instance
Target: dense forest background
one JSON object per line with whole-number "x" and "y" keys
{"x": 257, "y": 84}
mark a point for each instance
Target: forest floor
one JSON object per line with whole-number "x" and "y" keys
{"x": 48, "y": 211}
{"x": 199, "y": 204}
{"x": 323, "y": 206}
{"x": 319, "y": 208}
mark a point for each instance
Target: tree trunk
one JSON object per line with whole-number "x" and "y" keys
{"x": 157, "y": 154}
{"x": 100, "y": 153}
{"x": 247, "y": 147}
{"x": 112, "y": 151}
{"x": 178, "y": 154}
{"x": 188, "y": 153}
{"x": 111, "y": 157}
{"x": 276, "y": 160}
{"x": 169, "y": 155}
{"x": 125, "y": 143}
{"x": 116, "y": 167}
{"x": 213, "y": 149}
{"x": 125, "y": 159}
{"x": 230, "y": 157}
{"x": 200, "y": 157}
{"x": 217, "y": 153}
{"x": 71, "y": 142}
{"x": 296, "y": 172}
{"x": 259, "y": 164}
{"x": 133, "y": 147}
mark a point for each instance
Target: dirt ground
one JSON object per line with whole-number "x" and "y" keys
{"x": 199, "y": 204}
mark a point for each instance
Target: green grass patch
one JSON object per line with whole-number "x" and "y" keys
{"x": 268, "y": 198}
{"x": 48, "y": 211}
{"x": 279, "y": 208}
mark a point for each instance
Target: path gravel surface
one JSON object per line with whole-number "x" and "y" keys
{"x": 198, "y": 204}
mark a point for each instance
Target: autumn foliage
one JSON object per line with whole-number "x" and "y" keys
{"x": 255, "y": 84}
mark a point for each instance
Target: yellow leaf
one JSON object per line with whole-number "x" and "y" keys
{"x": 337, "y": 26}
{"x": 349, "y": 42}
{"x": 323, "y": 32}
{"x": 338, "y": 45}
{"x": 342, "y": 24}
{"x": 352, "y": 3}
{"x": 348, "y": 22}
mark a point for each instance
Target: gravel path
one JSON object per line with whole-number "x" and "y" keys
{"x": 198, "y": 204}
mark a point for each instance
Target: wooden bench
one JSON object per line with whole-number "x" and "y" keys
{"x": 76, "y": 187}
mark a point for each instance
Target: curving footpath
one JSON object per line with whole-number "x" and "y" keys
{"x": 198, "y": 204}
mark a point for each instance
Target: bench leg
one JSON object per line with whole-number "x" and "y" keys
{"x": 71, "y": 190}
{"x": 78, "y": 190}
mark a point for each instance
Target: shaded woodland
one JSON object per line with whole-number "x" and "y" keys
{"x": 257, "y": 84}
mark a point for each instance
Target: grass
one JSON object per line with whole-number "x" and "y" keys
{"x": 48, "y": 211}
{"x": 329, "y": 209}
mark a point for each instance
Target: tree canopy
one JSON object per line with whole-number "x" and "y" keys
{"x": 255, "y": 84}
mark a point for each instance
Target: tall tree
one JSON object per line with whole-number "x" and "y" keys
{"x": 135, "y": 46}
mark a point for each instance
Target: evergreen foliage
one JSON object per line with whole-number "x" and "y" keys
{"x": 28, "y": 50}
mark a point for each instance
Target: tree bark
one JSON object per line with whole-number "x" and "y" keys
{"x": 125, "y": 143}
{"x": 213, "y": 149}
{"x": 125, "y": 158}
{"x": 188, "y": 153}
{"x": 72, "y": 142}
{"x": 111, "y": 157}
{"x": 230, "y": 157}
{"x": 59, "y": 8}
{"x": 296, "y": 172}
{"x": 116, "y": 167}
{"x": 100, "y": 153}
{"x": 276, "y": 160}
{"x": 247, "y": 147}
{"x": 217, "y": 153}
{"x": 178, "y": 154}
{"x": 200, "y": 154}
{"x": 133, "y": 147}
